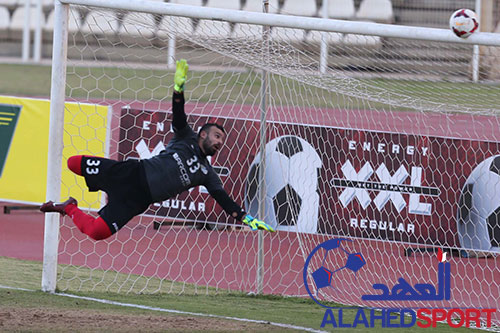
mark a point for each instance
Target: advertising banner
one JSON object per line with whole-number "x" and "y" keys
{"x": 8, "y": 121}
{"x": 24, "y": 136}
{"x": 346, "y": 182}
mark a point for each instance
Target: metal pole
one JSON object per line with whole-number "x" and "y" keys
{"x": 26, "y": 31}
{"x": 171, "y": 42}
{"x": 323, "y": 57}
{"x": 37, "y": 43}
{"x": 56, "y": 127}
{"x": 475, "y": 52}
{"x": 264, "y": 92}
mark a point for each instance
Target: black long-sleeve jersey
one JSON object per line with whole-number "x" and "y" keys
{"x": 182, "y": 165}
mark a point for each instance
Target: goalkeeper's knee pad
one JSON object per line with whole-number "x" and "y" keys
{"x": 75, "y": 164}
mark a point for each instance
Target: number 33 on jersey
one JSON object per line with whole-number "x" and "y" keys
{"x": 92, "y": 167}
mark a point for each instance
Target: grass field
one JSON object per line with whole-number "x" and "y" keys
{"x": 38, "y": 307}
{"x": 113, "y": 83}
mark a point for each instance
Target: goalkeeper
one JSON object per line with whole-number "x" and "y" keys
{"x": 132, "y": 186}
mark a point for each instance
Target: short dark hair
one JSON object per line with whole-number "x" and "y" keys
{"x": 206, "y": 128}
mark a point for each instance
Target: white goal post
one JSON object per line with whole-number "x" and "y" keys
{"x": 385, "y": 139}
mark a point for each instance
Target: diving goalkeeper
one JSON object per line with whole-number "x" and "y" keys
{"x": 132, "y": 186}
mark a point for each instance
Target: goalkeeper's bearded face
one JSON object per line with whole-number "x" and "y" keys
{"x": 212, "y": 140}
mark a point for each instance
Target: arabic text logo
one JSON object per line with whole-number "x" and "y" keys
{"x": 403, "y": 291}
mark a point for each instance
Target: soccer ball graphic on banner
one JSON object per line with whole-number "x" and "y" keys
{"x": 464, "y": 22}
{"x": 291, "y": 182}
{"x": 478, "y": 217}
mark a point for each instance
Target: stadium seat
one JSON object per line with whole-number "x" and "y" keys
{"x": 337, "y": 9}
{"x": 182, "y": 25}
{"x": 251, "y": 30}
{"x": 216, "y": 29}
{"x": 4, "y": 18}
{"x": 97, "y": 23}
{"x": 17, "y": 21}
{"x": 256, "y": 6}
{"x": 299, "y": 7}
{"x": 171, "y": 25}
{"x": 138, "y": 25}
{"x": 226, "y": 4}
{"x": 11, "y": 5}
{"x": 48, "y": 5}
{"x": 376, "y": 10}
{"x": 294, "y": 7}
{"x": 73, "y": 24}
{"x": 341, "y": 9}
{"x": 6, "y": 3}
{"x": 17, "y": 10}
{"x": 185, "y": 27}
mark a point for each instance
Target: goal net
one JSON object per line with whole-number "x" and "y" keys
{"x": 391, "y": 143}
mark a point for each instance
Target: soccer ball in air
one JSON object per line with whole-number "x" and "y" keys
{"x": 478, "y": 213}
{"x": 464, "y": 22}
{"x": 292, "y": 168}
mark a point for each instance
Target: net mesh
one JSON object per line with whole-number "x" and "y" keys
{"x": 392, "y": 146}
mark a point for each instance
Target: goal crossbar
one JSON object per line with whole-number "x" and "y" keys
{"x": 298, "y": 22}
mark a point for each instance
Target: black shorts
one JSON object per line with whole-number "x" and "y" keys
{"x": 124, "y": 182}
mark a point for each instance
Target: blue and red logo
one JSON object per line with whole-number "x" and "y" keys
{"x": 320, "y": 269}
{"x": 323, "y": 276}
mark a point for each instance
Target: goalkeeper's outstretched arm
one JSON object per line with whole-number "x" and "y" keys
{"x": 212, "y": 181}
{"x": 232, "y": 208}
{"x": 179, "y": 120}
